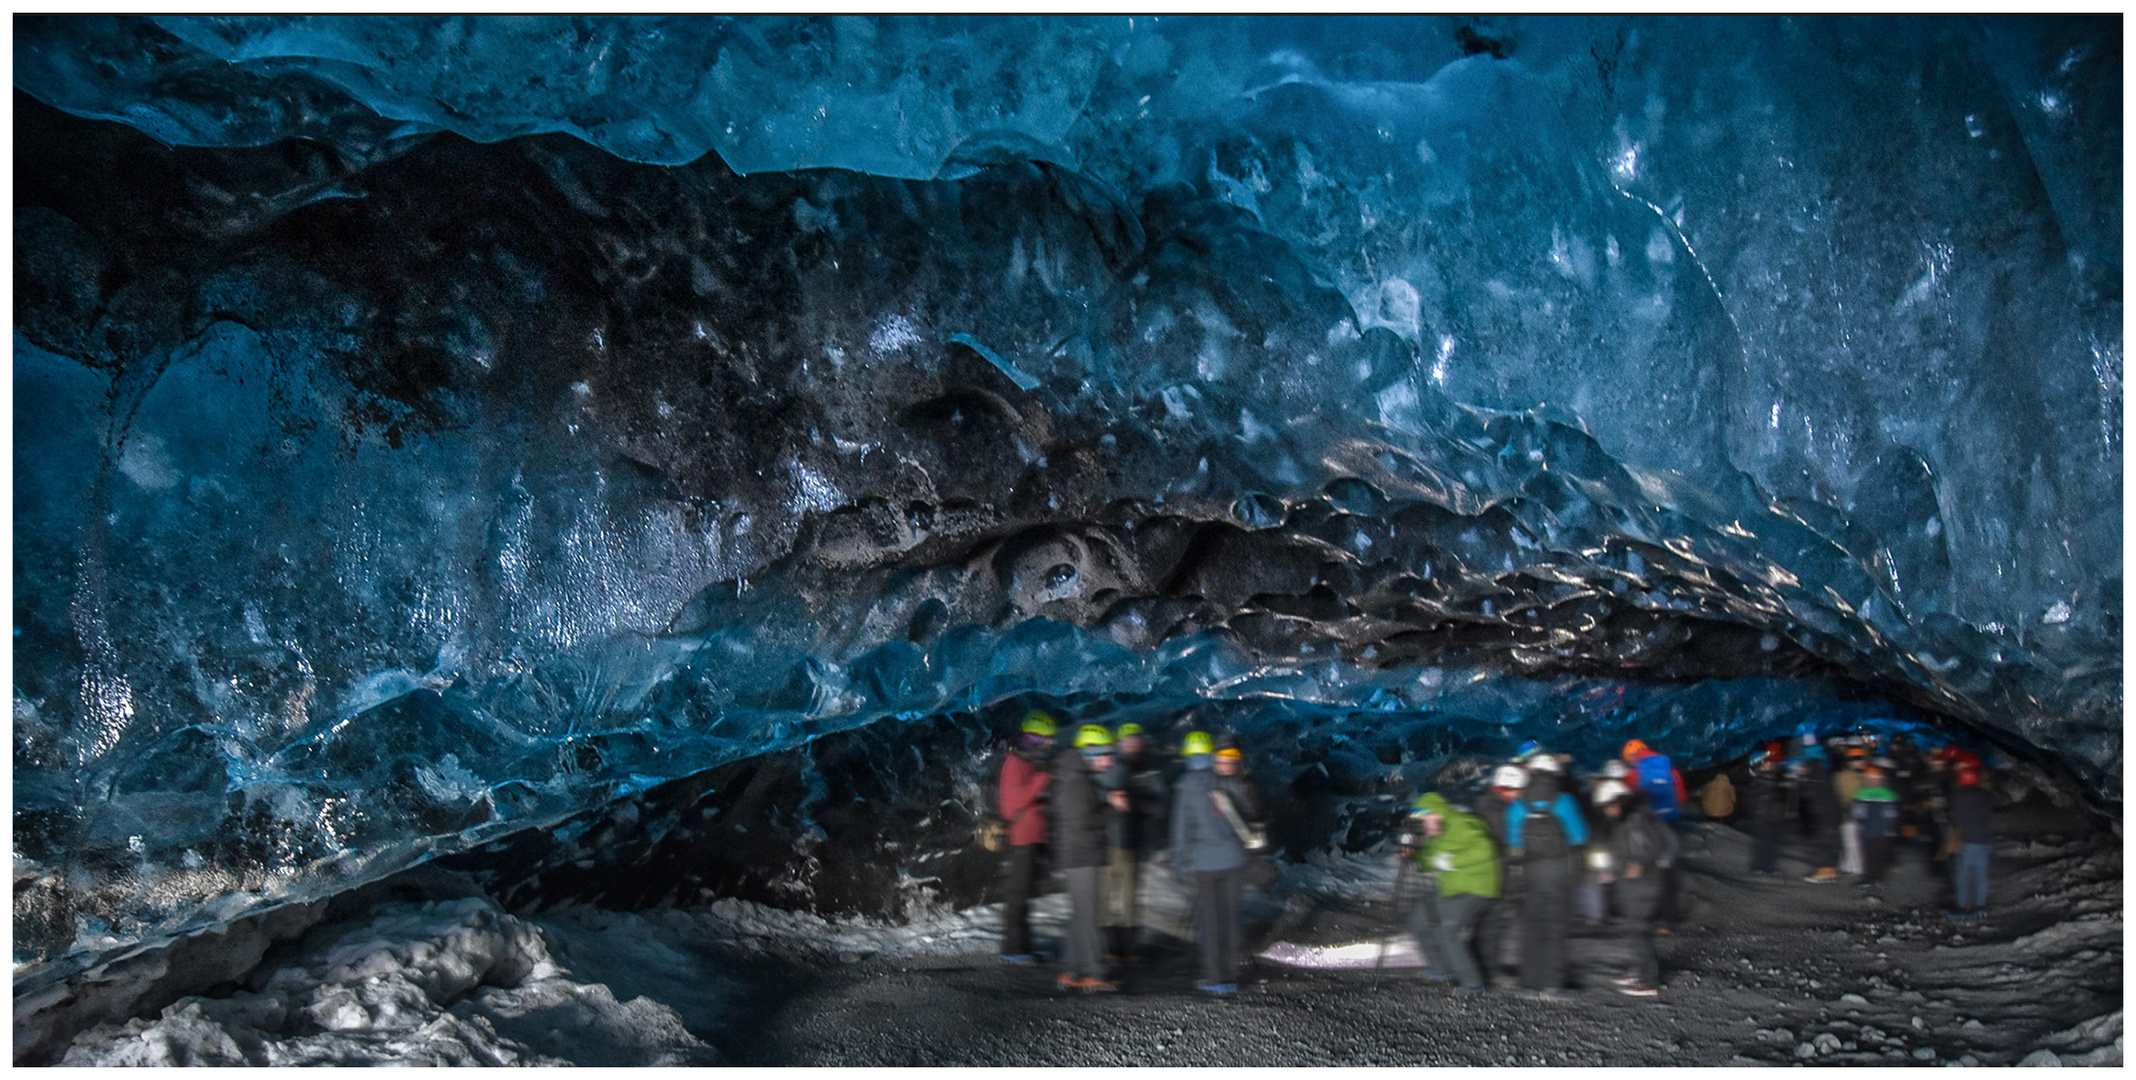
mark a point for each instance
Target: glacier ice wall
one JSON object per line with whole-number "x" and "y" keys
{"x": 426, "y": 427}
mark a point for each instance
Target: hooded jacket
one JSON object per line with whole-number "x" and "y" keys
{"x": 1201, "y": 839}
{"x": 1463, "y": 857}
{"x": 1543, "y": 797}
{"x": 1640, "y": 838}
{"x": 1023, "y": 785}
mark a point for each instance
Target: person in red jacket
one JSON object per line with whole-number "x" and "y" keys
{"x": 1024, "y": 778}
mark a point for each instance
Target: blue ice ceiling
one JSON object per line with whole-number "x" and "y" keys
{"x": 425, "y": 427}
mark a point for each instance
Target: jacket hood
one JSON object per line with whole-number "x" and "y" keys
{"x": 1431, "y": 802}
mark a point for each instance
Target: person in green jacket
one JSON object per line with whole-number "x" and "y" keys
{"x": 1458, "y": 853}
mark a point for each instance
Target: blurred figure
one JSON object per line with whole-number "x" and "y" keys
{"x": 1820, "y": 811}
{"x": 1846, "y": 781}
{"x": 1875, "y": 811}
{"x": 1024, "y": 779}
{"x": 1213, "y": 802}
{"x": 1080, "y": 817}
{"x": 1542, "y": 830}
{"x": 1462, "y": 860}
{"x": 1640, "y": 849}
{"x": 1498, "y": 937}
{"x": 1656, "y": 776}
{"x": 1136, "y": 789}
{"x": 1768, "y": 811}
{"x": 1972, "y": 812}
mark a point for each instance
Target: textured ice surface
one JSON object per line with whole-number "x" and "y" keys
{"x": 379, "y": 492}
{"x": 442, "y": 983}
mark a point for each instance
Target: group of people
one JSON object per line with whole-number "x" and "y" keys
{"x": 1504, "y": 875}
{"x": 1101, "y": 806}
{"x": 1860, "y": 800}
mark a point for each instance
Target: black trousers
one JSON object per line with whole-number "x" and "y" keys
{"x": 1876, "y": 858}
{"x": 1639, "y": 901}
{"x": 1019, "y": 879}
{"x": 1498, "y": 935}
{"x": 1764, "y": 848}
{"x": 1545, "y": 911}
{"x": 1216, "y": 915}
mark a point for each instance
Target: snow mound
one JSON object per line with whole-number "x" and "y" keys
{"x": 442, "y": 983}
{"x": 1398, "y": 952}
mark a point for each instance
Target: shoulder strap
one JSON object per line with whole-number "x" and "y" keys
{"x": 1229, "y": 811}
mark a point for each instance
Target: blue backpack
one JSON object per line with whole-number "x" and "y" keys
{"x": 1656, "y": 780}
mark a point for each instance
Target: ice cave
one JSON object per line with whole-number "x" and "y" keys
{"x": 527, "y": 531}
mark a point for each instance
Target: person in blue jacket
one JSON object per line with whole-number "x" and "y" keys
{"x": 1544, "y": 829}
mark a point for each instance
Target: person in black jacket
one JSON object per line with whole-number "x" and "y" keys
{"x": 1543, "y": 831}
{"x": 1821, "y": 813}
{"x": 1136, "y": 789}
{"x": 1972, "y": 813}
{"x": 1080, "y": 817}
{"x": 1637, "y": 851}
{"x": 1768, "y": 812}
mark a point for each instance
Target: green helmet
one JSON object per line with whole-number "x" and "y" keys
{"x": 1197, "y": 742}
{"x": 1038, "y": 723}
{"x": 1128, "y": 729}
{"x": 1092, "y": 735}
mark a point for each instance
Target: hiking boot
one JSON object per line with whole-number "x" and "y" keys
{"x": 1638, "y": 989}
{"x": 1217, "y": 989}
{"x": 1017, "y": 958}
{"x": 1096, "y": 986}
{"x": 1824, "y": 876}
{"x": 1065, "y": 981}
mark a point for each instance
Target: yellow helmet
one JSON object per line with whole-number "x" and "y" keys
{"x": 1197, "y": 742}
{"x": 1090, "y": 735}
{"x": 1128, "y": 729}
{"x": 1038, "y": 723}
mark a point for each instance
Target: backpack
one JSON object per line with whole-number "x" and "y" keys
{"x": 1657, "y": 779}
{"x": 1542, "y": 835}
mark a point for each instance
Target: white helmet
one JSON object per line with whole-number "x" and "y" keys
{"x": 1616, "y": 769}
{"x": 1510, "y": 776}
{"x": 1609, "y": 791}
{"x": 1546, "y": 763}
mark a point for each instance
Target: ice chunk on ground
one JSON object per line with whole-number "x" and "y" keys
{"x": 442, "y": 983}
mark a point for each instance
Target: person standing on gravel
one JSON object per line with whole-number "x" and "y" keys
{"x": 1543, "y": 829}
{"x": 1820, "y": 805}
{"x": 1462, "y": 859}
{"x": 1768, "y": 812}
{"x": 1972, "y": 812}
{"x": 1024, "y": 779}
{"x": 1875, "y": 811}
{"x": 1640, "y": 851}
{"x": 1136, "y": 788}
{"x": 1206, "y": 846}
{"x": 1847, "y": 780}
{"x": 1498, "y": 936}
{"x": 1080, "y": 816}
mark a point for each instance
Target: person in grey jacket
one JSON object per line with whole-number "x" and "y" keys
{"x": 1206, "y": 843}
